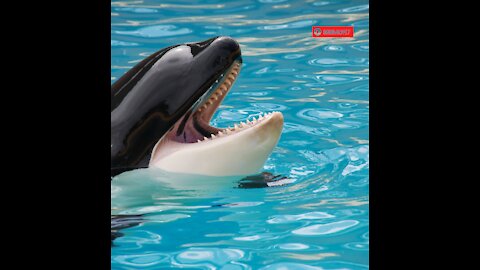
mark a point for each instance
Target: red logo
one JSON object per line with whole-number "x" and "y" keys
{"x": 332, "y": 31}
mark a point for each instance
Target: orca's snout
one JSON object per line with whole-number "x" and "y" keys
{"x": 222, "y": 50}
{"x": 229, "y": 46}
{"x": 228, "y": 43}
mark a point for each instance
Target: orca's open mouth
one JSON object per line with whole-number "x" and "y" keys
{"x": 195, "y": 126}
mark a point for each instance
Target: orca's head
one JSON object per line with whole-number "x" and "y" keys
{"x": 161, "y": 109}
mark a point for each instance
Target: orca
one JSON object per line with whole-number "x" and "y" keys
{"x": 161, "y": 111}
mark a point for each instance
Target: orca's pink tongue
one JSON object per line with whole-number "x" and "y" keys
{"x": 191, "y": 130}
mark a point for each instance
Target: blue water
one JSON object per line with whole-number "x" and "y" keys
{"x": 320, "y": 85}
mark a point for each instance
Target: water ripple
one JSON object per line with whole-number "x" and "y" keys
{"x": 339, "y": 62}
{"x": 293, "y": 246}
{"x": 324, "y": 229}
{"x": 292, "y": 25}
{"x": 156, "y": 31}
{"x": 318, "y": 115}
{"x": 141, "y": 260}
{"x": 214, "y": 255}
{"x": 290, "y": 266}
{"x": 354, "y": 9}
{"x": 293, "y": 218}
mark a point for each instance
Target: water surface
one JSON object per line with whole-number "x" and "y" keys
{"x": 320, "y": 85}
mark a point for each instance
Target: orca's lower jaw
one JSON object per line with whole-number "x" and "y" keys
{"x": 193, "y": 146}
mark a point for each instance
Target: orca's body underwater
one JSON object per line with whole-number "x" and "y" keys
{"x": 161, "y": 109}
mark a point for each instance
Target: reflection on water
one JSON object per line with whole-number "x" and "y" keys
{"x": 320, "y": 221}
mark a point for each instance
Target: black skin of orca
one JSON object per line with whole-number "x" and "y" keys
{"x": 151, "y": 97}
{"x": 119, "y": 222}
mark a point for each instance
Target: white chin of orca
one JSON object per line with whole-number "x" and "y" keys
{"x": 241, "y": 150}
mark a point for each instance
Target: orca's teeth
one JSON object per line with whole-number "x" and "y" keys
{"x": 198, "y": 141}
{"x": 238, "y": 127}
{"x": 222, "y": 85}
